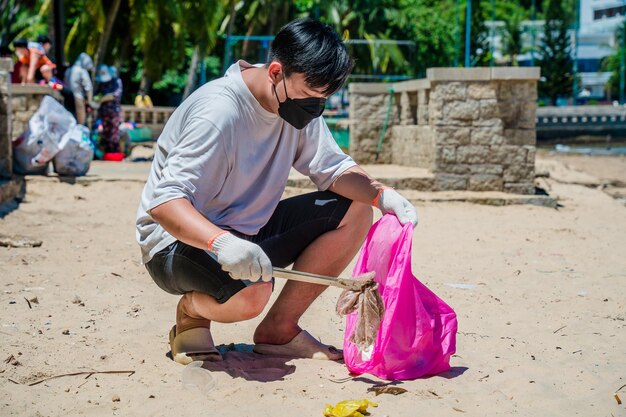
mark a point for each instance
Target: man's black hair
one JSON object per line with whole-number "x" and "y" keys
{"x": 43, "y": 39}
{"x": 20, "y": 43}
{"x": 314, "y": 49}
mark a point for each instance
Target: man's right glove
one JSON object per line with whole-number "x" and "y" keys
{"x": 240, "y": 258}
{"x": 390, "y": 201}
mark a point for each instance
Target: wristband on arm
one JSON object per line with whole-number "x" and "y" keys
{"x": 210, "y": 242}
{"x": 380, "y": 192}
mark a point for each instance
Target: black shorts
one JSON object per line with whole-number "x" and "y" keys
{"x": 294, "y": 225}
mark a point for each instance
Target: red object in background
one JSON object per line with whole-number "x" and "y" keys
{"x": 113, "y": 156}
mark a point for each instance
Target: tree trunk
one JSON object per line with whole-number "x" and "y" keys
{"x": 145, "y": 84}
{"x": 231, "y": 19}
{"x": 191, "y": 74}
{"x": 106, "y": 34}
{"x": 246, "y": 42}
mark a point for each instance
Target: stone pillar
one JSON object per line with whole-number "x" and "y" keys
{"x": 369, "y": 104}
{"x": 6, "y": 161}
{"x": 483, "y": 123}
{"x": 12, "y": 188}
{"x": 474, "y": 128}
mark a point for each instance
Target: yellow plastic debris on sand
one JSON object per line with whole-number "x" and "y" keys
{"x": 348, "y": 408}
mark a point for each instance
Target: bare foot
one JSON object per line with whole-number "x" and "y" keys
{"x": 275, "y": 332}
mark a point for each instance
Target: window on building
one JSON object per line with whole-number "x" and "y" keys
{"x": 609, "y": 12}
{"x": 589, "y": 65}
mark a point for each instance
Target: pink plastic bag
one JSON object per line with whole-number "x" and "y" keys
{"x": 417, "y": 335}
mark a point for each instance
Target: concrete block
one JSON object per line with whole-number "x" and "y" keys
{"x": 372, "y": 108}
{"x": 526, "y": 115}
{"x": 531, "y": 152}
{"x": 489, "y": 109}
{"x": 506, "y": 91}
{"x": 6, "y": 64}
{"x": 519, "y": 173}
{"x": 508, "y": 155}
{"x": 18, "y": 103}
{"x": 457, "y": 74}
{"x": 454, "y": 168}
{"x": 526, "y": 90}
{"x": 496, "y": 122}
{"x": 486, "y": 136}
{"x": 485, "y": 182}
{"x": 482, "y": 90}
{"x": 22, "y": 116}
{"x": 450, "y": 91}
{"x": 461, "y": 110}
{"x": 473, "y": 154}
{"x": 446, "y": 154}
{"x": 18, "y": 129}
{"x": 520, "y": 137}
{"x": 368, "y": 88}
{"x": 450, "y": 182}
{"x": 515, "y": 73}
{"x": 492, "y": 169}
{"x": 508, "y": 111}
{"x": 451, "y": 136}
{"x": 33, "y": 103}
{"x": 26, "y": 89}
{"x": 410, "y": 85}
{"x": 519, "y": 188}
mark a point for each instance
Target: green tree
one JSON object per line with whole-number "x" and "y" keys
{"x": 480, "y": 53}
{"x": 512, "y": 42}
{"x": 554, "y": 50}
{"x": 432, "y": 24}
{"x": 25, "y": 18}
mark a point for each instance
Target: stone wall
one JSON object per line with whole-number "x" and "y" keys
{"x": 12, "y": 188}
{"x": 6, "y": 167}
{"x": 25, "y": 102}
{"x": 473, "y": 128}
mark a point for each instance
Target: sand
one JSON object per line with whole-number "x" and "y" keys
{"x": 542, "y": 330}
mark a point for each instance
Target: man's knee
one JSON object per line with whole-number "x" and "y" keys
{"x": 253, "y": 300}
{"x": 359, "y": 216}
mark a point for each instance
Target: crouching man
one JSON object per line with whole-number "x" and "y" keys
{"x": 211, "y": 224}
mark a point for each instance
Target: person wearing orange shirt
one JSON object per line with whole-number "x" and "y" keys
{"x": 34, "y": 61}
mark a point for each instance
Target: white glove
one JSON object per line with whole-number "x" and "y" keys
{"x": 242, "y": 259}
{"x": 390, "y": 201}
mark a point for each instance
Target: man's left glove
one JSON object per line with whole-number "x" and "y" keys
{"x": 389, "y": 201}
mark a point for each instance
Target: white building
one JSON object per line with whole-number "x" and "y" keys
{"x": 599, "y": 20}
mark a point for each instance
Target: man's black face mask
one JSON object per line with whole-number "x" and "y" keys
{"x": 299, "y": 112}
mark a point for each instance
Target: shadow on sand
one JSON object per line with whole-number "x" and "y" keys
{"x": 239, "y": 361}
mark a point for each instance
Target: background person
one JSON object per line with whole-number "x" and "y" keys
{"x": 78, "y": 79}
{"x": 143, "y": 100}
{"x": 35, "y": 63}
{"x": 109, "y": 110}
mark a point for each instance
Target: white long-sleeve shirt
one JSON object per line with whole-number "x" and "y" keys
{"x": 231, "y": 158}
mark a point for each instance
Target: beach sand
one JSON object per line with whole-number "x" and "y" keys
{"x": 542, "y": 330}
